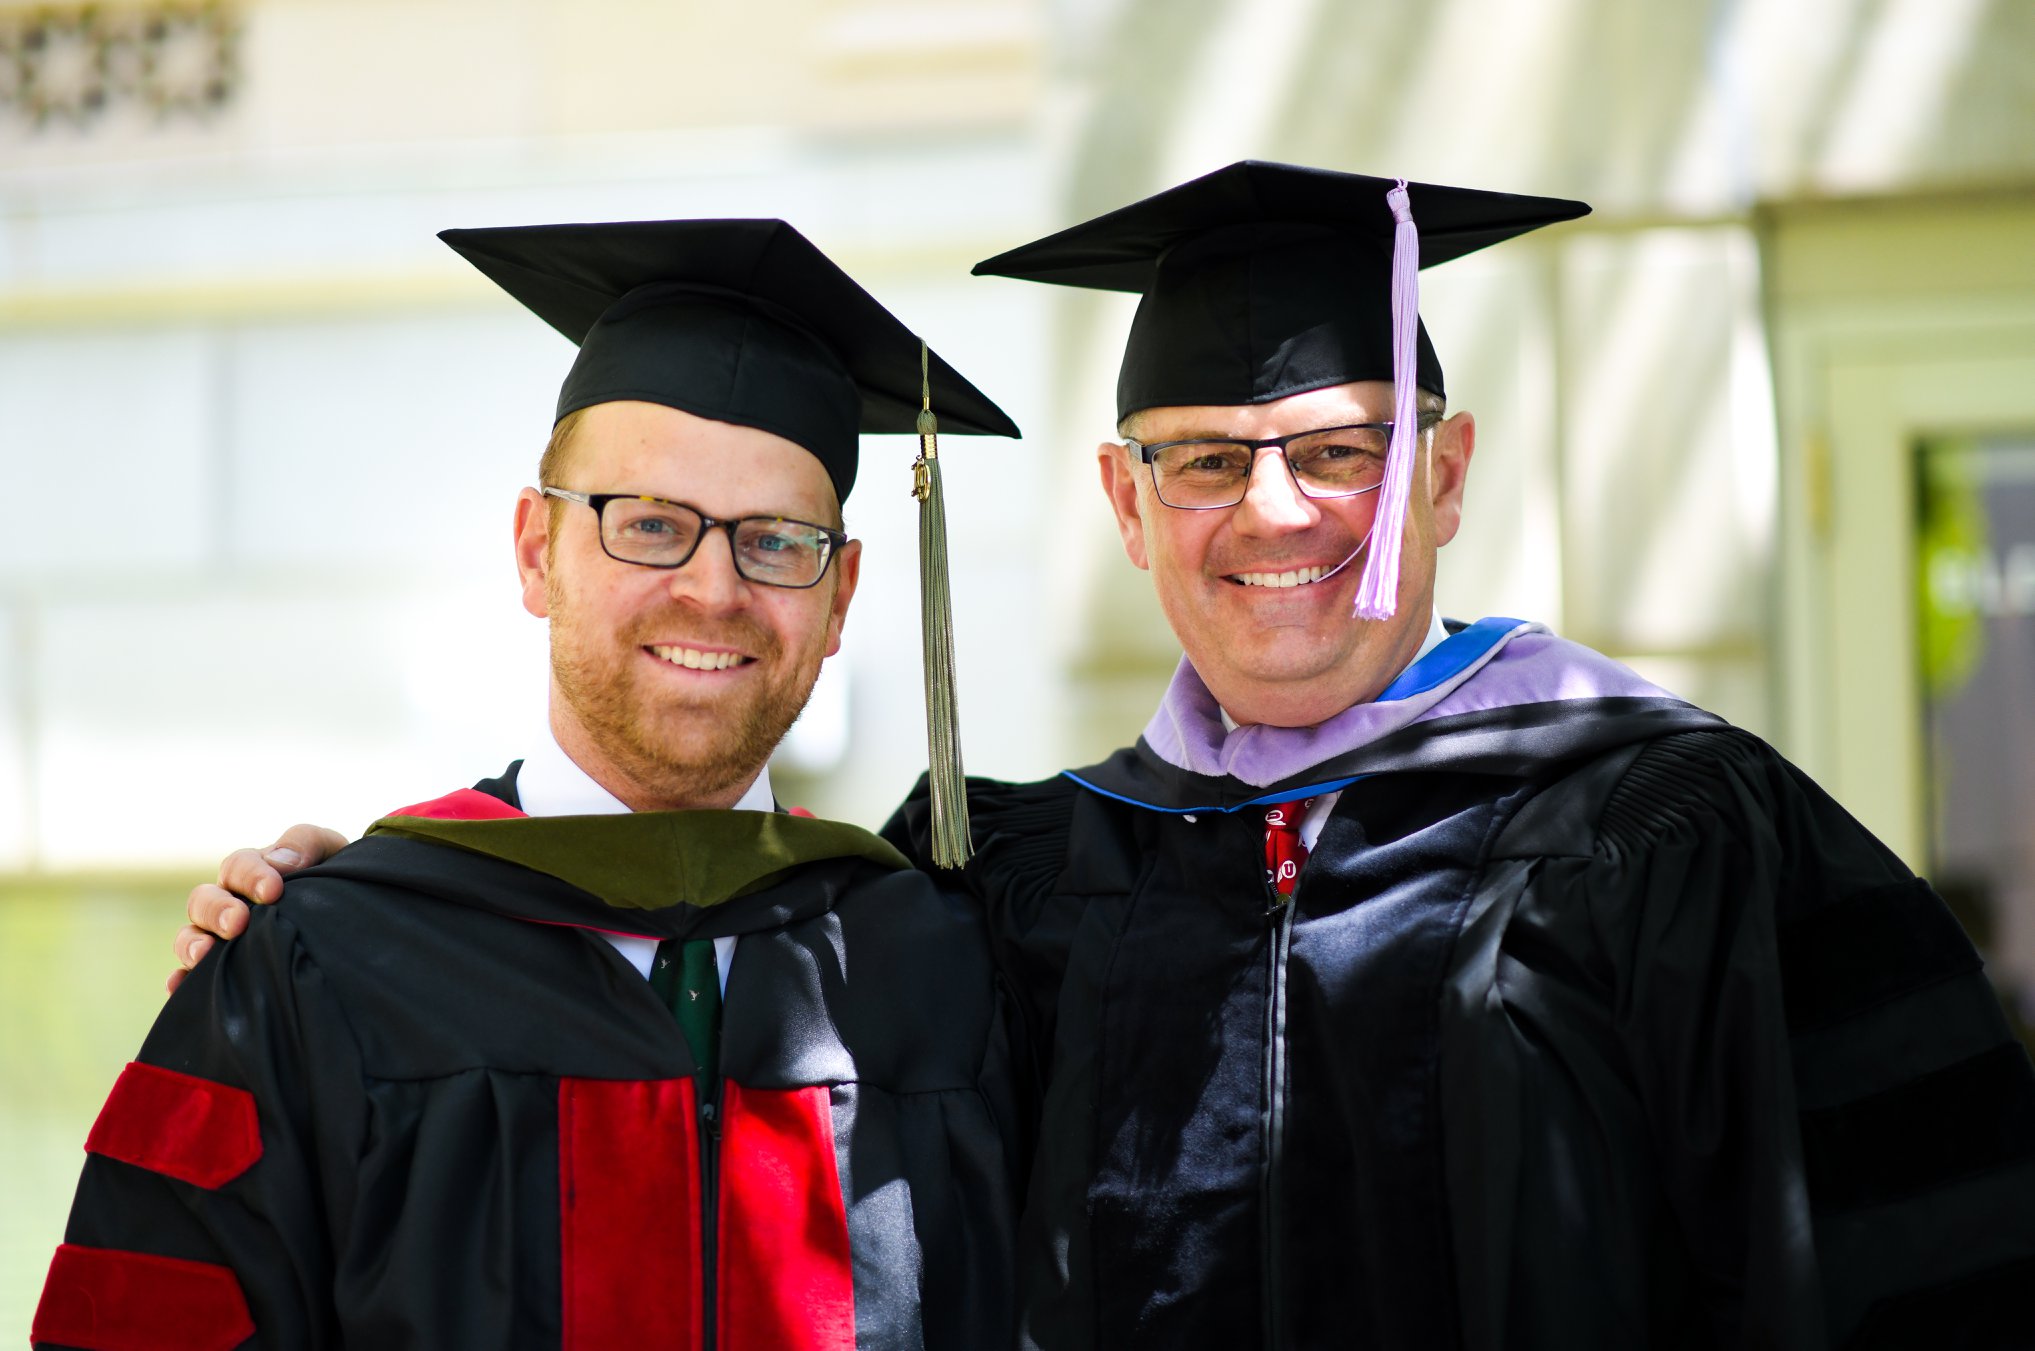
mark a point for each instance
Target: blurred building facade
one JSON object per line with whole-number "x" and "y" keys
{"x": 221, "y": 307}
{"x": 1756, "y": 426}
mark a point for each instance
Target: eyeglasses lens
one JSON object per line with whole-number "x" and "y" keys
{"x": 780, "y": 553}
{"x": 664, "y": 535}
{"x": 1338, "y": 462}
{"x": 656, "y": 533}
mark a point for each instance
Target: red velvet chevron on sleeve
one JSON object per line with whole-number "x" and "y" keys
{"x": 102, "y": 1299}
{"x": 195, "y": 1130}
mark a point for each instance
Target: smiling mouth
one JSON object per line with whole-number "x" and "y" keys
{"x": 693, "y": 659}
{"x": 1297, "y": 577}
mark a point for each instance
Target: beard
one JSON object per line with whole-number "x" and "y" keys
{"x": 676, "y": 750}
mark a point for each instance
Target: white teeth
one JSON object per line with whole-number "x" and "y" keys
{"x": 695, "y": 660}
{"x": 1302, "y": 577}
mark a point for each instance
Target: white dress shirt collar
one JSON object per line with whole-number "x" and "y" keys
{"x": 551, "y": 784}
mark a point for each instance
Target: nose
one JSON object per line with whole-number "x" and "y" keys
{"x": 708, "y": 578}
{"x": 1273, "y": 503}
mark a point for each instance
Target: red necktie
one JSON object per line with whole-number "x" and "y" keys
{"x": 1283, "y": 851}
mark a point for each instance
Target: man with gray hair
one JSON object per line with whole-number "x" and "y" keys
{"x": 1415, "y": 984}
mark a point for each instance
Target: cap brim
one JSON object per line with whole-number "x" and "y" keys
{"x": 1121, "y": 250}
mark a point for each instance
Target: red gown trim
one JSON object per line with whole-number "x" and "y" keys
{"x": 629, "y": 1215}
{"x": 194, "y": 1130}
{"x": 464, "y": 804}
{"x": 102, "y": 1299}
{"x": 785, "y": 1272}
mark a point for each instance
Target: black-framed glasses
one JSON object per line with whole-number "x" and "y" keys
{"x": 653, "y": 533}
{"x": 1206, "y": 473}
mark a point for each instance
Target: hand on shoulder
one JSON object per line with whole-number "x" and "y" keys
{"x": 219, "y": 910}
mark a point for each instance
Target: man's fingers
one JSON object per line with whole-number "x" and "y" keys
{"x": 215, "y": 910}
{"x": 258, "y": 873}
{"x": 176, "y": 979}
{"x": 191, "y": 945}
{"x": 303, "y": 845}
{"x": 249, "y": 873}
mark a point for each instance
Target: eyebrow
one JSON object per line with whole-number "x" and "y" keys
{"x": 1239, "y": 436}
{"x": 1193, "y": 434}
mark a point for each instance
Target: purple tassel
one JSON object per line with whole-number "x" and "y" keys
{"x": 1378, "y": 592}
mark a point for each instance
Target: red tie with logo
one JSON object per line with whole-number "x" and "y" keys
{"x": 1284, "y": 853}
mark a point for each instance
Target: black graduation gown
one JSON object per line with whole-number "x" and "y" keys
{"x": 420, "y": 1103}
{"x": 1591, "y": 1024}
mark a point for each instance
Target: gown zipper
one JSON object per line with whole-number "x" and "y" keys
{"x": 710, "y": 1160}
{"x": 1272, "y": 1226}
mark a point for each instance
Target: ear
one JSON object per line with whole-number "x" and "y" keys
{"x": 847, "y": 572}
{"x": 533, "y": 540}
{"x": 1455, "y": 441}
{"x": 1120, "y": 475}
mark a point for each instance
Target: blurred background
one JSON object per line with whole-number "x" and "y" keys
{"x": 1763, "y": 426}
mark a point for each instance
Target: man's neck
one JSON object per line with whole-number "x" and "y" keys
{"x": 551, "y": 783}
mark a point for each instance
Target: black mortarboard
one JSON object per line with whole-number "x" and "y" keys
{"x": 740, "y": 321}
{"x": 1262, "y": 280}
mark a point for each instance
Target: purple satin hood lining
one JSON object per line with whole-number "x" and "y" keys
{"x": 1527, "y": 665}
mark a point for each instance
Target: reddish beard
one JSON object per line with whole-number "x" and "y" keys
{"x": 673, "y": 749}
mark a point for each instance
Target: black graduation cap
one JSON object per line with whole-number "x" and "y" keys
{"x": 744, "y": 321}
{"x": 741, "y": 321}
{"x": 1262, "y": 280}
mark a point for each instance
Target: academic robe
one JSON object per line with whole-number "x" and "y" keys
{"x": 1592, "y": 1023}
{"x": 421, "y": 1103}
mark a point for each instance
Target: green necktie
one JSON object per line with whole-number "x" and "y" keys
{"x": 687, "y": 978}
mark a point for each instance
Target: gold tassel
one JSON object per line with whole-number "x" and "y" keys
{"x": 951, "y": 846}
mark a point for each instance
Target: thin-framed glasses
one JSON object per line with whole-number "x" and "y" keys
{"x": 1206, "y": 474}
{"x": 653, "y": 533}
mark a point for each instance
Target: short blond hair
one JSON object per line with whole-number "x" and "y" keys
{"x": 556, "y": 463}
{"x": 557, "y": 457}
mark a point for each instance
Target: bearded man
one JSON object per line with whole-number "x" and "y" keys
{"x": 605, "y": 1051}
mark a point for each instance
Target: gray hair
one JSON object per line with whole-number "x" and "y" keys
{"x": 1425, "y": 402}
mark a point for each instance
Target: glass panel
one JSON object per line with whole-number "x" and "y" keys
{"x": 1976, "y": 559}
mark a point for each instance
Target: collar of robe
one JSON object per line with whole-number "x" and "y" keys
{"x": 1500, "y": 696}
{"x": 651, "y": 860}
